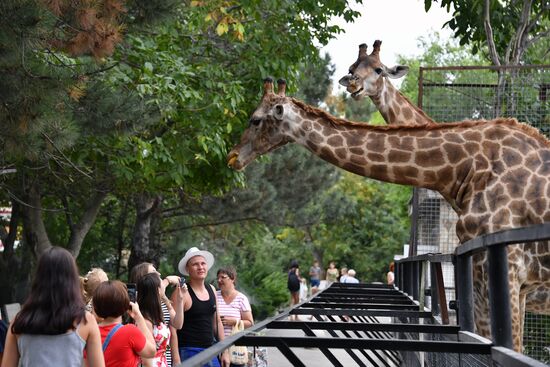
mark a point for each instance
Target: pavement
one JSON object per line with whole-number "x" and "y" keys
{"x": 309, "y": 356}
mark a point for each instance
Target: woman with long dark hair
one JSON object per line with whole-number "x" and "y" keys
{"x": 172, "y": 310}
{"x": 149, "y": 299}
{"x": 53, "y": 327}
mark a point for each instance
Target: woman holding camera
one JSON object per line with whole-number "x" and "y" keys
{"x": 123, "y": 345}
{"x": 172, "y": 310}
{"x": 148, "y": 297}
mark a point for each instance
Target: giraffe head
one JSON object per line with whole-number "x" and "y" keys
{"x": 265, "y": 131}
{"x": 366, "y": 75}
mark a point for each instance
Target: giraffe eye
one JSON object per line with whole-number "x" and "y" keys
{"x": 378, "y": 71}
{"x": 255, "y": 122}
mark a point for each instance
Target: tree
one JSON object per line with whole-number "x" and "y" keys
{"x": 507, "y": 28}
{"x": 155, "y": 118}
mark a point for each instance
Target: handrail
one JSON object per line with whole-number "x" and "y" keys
{"x": 537, "y": 232}
{"x": 495, "y": 244}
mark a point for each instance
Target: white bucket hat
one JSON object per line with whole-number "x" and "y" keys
{"x": 192, "y": 252}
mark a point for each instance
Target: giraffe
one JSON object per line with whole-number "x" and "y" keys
{"x": 495, "y": 174}
{"x": 368, "y": 76}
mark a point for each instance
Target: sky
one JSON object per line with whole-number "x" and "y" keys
{"x": 397, "y": 23}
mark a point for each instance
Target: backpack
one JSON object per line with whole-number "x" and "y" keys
{"x": 293, "y": 282}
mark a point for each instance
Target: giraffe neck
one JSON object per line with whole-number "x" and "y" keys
{"x": 397, "y": 109}
{"x": 407, "y": 155}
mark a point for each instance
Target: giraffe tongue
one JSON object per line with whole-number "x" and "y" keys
{"x": 354, "y": 94}
{"x": 232, "y": 160}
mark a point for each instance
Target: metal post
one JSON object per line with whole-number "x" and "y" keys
{"x": 416, "y": 280}
{"x": 413, "y": 242}
{"x": 397, "y": 274}
{"x": 499, "y": 296}
{"x": 465, "y": 292}
{"x": 410, "y": 276}
{"x": 442, "y": 297}
{"x": 433, "y": 290}
{"x": 423, "y": 265}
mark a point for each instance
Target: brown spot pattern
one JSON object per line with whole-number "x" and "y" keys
{"x": 429, "y": 158}
{"x": 455, "y": 153}
{"x": 399, "y": 156}
{"x": 335, "y": 141}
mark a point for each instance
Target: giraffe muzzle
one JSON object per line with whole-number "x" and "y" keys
{"x": 231, "y": 159}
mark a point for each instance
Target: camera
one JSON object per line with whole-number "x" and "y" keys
{"x": 132, "y": 291}
{"x": 182, "y": 281}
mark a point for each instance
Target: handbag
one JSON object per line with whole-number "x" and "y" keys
{"x": 238, "y": 353}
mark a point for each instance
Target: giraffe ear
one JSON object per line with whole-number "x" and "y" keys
{"x": 279, "y": 112}
{"x": 396, "y": 72}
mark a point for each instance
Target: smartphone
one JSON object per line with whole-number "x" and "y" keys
{"x": 182, "y": 281}
{"x": 132, "y": 291}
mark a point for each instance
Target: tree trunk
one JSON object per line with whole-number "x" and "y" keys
{"x": 14, "y": 267}
{"x": 120, "y": 237}
{"x": 34, "y": 231}
{"x": 142, "y": 248}
{"x": 81, "y": 229}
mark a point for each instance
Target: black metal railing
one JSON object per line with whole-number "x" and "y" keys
{"x": 409, "y": 270}
{"x": 352, "y": 318}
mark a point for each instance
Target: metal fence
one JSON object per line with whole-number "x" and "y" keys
{"x": 449, "y": 94}
{"x": 411, "y": 276}
{"x": 363, "y": 325}
{"x": 381, "y": 325}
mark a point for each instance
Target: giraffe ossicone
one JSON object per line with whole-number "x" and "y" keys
{"x": 368, "y": 76}
{"x": 495, "y": 174}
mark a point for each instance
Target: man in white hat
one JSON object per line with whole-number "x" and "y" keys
{"x": 201, "y": 321}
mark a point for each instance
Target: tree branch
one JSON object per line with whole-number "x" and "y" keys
{"x": 489, "y": 32}
{"x": 199, "y": 225}
{"x": 64, "y": 156}
{"x": 33, "y": 224}
{"x": 68, "y": 216}
{"x": 536, "y": 38}
{"x": 81, "y": 229}
{"x": 520, "y": 38}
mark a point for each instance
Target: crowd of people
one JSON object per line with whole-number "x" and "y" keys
{"x": 295, "y": 283}
{"x": 68, "y": 320}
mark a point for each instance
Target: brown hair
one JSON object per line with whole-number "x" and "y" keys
{"x": 110, "y": 299}
{"x": 55, "y": 302}
{"x": 139, "y": 271}
{"x": 148, "y": 298}
{"x": 230, "y": 272}
{"x": 392, "y": 266}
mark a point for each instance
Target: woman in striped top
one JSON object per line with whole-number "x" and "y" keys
{"x": 232, "y": 304}
{"x": 172, "y": 311}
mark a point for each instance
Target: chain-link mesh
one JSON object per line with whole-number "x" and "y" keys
{"x": 471, "y": 93}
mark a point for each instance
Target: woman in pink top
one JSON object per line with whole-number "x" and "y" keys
{"x": 148, "y": 296}
{"x": 232, "y": 304}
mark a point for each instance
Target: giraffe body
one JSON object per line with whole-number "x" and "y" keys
{"x": 495, "y": 174}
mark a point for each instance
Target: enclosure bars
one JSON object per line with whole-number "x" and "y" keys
{"x": 495, "y": 244}
{"x": 408, "y": 274}
{"x": 499, "y": 294}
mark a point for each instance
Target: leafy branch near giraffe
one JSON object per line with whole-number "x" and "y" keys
{"x": 495, "y": 174}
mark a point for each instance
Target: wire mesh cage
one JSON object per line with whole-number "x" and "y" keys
{"x": 450, "y": 94}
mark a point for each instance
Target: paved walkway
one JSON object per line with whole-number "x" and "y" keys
{"x": 309, "y": 356}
